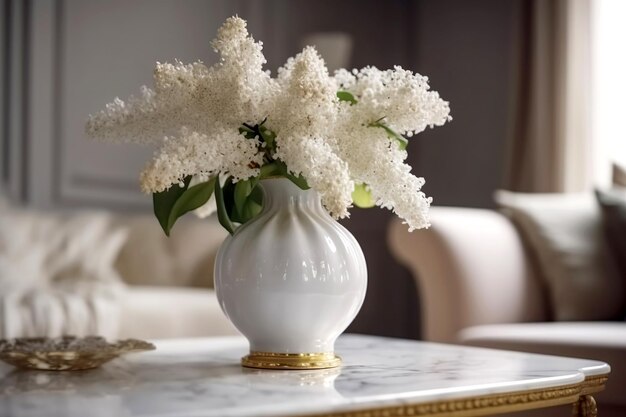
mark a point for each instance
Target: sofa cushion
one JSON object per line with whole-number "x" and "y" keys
{"x": 619, "y": 175}
{"x": 613, "y": 204}
{"x": 563, "y": 234}
{"x": 152, "y": 312}
{"x": 604, "y": 341}
{"x": 185, "y": 258}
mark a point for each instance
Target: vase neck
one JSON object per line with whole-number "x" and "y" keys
{"x": 282, "y": 192}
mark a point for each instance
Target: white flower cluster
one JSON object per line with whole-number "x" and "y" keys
{"x": 400, "y": 96}
{"x": 332, "y": 143}
{"x": 199, "y": 155}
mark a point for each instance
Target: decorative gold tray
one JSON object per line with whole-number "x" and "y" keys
{"x": 67, "y": 353}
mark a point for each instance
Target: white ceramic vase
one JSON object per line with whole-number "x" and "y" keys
{"x": 291, "y": 280}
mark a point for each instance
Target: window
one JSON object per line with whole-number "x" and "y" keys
{"x": 609, "y": 86}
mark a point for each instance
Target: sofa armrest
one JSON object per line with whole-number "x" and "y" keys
{"x": 470, "y": 268}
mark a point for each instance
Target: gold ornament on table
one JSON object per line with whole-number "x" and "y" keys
{"x": 67, "y": 353}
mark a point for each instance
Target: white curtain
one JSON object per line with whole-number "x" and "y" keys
{"x": 609, "y": 89}
{"x": 550, "y": 141}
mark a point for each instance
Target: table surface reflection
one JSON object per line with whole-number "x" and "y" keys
{"x": 202, "y": 378}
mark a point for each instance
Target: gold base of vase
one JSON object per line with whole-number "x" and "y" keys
{"x": 293, "y": 361}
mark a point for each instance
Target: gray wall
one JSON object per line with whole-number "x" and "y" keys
{"x": 468, "y": 49}
{"x": 63, "y": 59}
{"x": 76, "y": 56}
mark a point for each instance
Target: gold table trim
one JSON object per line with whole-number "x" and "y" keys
{"x": 294, "y": 361}
{"x": 488, "y": 404}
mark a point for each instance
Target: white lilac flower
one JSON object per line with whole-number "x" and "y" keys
{"x": 303, "y": 119}
{"x": 308, "y": 101}
{"x": 324, "y": 171}
{"x": 376, "y": 160}
{"x": 196, "y": 154}
{"x": 136, "y": 118}
{"x": 333, "y": 144}
{"x": 239, "y": 89}
{"x": 401, "y": 97}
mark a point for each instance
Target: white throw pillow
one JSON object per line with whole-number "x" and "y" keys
{"x": 563, "y": 233}
{"x": 57, "y": 273}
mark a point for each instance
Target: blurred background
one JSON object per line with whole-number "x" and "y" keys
{"x": 536, "y": 91}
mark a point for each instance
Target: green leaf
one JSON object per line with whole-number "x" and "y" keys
{"x": 250, "y": 210}
{"x": 345, "y": 96}
{"x": 192, "y": 198}
{"x": 243, "y": 189}
{"x": 392, "y": 134}
{"x": 269, "y": 138}
{"x": 222, "y": 212}
{"x": 248, "y": 134}
{"x": 164, "y": 202}
{"x": 252, "y": 206}
{"x": 256, "y": 195}
{"x": 279, "y": 169}
{"x": 228, "y": 189}
{"x": 362, "y": 197}
{"x": 300, "y": 181}
{"x": 270, "y": 170}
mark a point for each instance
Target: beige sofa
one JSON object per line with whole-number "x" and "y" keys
{"x": 170, "y": 280}
{"x": 60, "y": 273}
{"x": 477, "y": 285}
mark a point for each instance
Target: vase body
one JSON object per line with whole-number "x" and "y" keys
{"x": 291, "y": 280}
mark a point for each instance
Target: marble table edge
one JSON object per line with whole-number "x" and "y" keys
{"x": 484, "y": 405}
{"x": 551, "y": 391}
{"x": 571, "y": 381}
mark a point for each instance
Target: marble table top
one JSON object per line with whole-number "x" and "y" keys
{"x": 202, "y": 378}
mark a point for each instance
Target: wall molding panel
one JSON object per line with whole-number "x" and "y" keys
{"x": 13, "y": 122}
{"x": 74, "y": 63}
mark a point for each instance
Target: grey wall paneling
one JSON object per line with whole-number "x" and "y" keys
{"x": 13, "y": 124}
{"x": 83, "y": 54}
{"x": 68, "y": 58}
{"x": 4, "y": 21}
{"x": 44, "y": 95}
